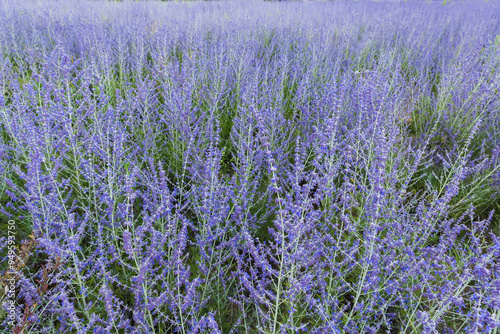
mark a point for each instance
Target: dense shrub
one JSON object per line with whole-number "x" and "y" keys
{"x": 259, "y": 168}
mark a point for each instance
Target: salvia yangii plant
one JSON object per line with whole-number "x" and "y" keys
{"x": 326, "y": 167}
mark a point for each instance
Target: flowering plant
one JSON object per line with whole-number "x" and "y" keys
{"x": 258, "y": 168}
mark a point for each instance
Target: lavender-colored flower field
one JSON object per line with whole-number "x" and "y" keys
{"x": 249, "y": 167}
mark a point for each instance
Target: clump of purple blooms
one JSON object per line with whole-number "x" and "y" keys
{"x": 226, "y": 167}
